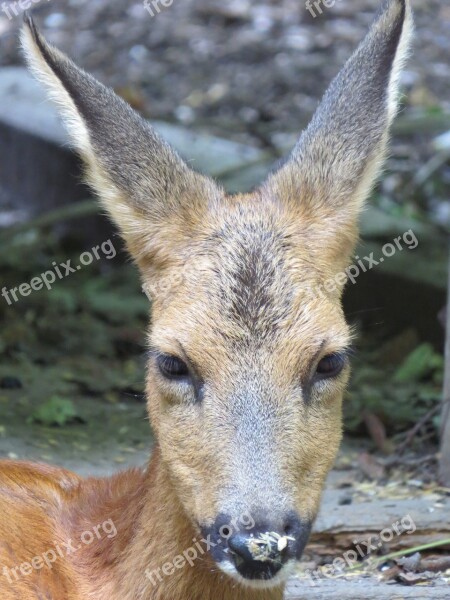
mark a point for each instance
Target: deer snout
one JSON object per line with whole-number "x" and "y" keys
{"x": 259, "y": 551}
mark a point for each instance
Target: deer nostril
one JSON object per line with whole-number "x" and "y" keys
{"x": 259, "y": 555}
{"x": 238, "y": 545}
{"x": 292, "y": 527}
{"x": 262, "y": 549}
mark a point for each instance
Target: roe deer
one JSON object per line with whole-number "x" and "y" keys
{"x": 247, "y": 363}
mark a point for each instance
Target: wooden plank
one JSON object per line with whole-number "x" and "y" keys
{"x": 364, "y": 589}
{"x": 421, "y": 519}
{"x": 379, "y": 513}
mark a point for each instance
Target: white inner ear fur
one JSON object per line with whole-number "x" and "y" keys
{"x": 401, "y": 56}
{"x": 374, "y": 167}
{"x": 110, "y": 196}
{"x": 56, "y": 91}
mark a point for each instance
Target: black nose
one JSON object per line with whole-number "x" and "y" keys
{"x": 262, "y": 552}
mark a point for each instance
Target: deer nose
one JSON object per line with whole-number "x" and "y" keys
{"x": 261, "y": 553}
{"x": 256, "y": 558}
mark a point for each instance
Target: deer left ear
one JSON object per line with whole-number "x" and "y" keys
{"x": 338, "y": 158}
{"x": 156, "y": 200}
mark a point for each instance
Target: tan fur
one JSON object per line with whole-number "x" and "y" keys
{"x": 237, "y": 287}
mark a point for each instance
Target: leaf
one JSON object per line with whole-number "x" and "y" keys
{"x": 415, "y": 578}
{"x": 370, "y": 467}
{"x": 419, "y": 363}
{"x": 56, "y": 411}
{"x": 377, "y": 430}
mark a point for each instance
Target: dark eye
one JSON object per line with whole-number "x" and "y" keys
{"x": 330, "y": 365}
{"x": 172, "y": 367}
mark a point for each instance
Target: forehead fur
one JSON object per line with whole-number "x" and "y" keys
{"x": 256, "y": 258}
{"x": 255, "y": 274}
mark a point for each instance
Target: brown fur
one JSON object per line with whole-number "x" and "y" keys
{"x": 235, "y": 284}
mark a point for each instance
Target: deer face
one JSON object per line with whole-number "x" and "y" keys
{"x": 247, "y": 368}
{"x": 248, "y": 346}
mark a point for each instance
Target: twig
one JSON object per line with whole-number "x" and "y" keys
{"x": 416, "y": 123}
{"x": 65, "y": 213}
{"x": 417, "y": 427}
{"x": 373, "y": 562}
{"x": 430, "y": 168}
{"x": 435, "y": 544}
{"x": 408, "y": 462}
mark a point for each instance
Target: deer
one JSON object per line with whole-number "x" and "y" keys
{"x": 247, "y": 361}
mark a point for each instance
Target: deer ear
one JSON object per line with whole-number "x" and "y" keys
{"x": 338, "y": 158}
{"x": 141, "y": 181}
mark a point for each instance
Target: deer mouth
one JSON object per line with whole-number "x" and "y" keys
{"x": 269, "y": 576}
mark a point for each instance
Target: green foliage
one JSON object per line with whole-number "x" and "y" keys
{"x": 83, "y": 338}
{"x": 55, "y": 411}
{"x": 399, "y": 394}
{"x": 422, "y": 361}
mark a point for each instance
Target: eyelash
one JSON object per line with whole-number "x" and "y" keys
{"x": 172, "y": 367}
{"x": 330, "y": 366}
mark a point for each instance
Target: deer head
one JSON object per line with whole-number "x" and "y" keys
{"x": 248, "y": 357}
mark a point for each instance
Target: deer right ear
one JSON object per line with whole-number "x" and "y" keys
{"x": 141, "y": 180}
{"x": 337, "y": 159}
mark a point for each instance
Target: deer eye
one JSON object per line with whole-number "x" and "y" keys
{"x": 172, "y": 367}
{"x": 330, "y": 365}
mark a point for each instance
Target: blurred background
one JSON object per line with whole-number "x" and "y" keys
{"x": 231, "y": 85}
